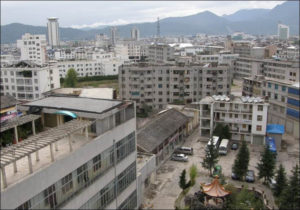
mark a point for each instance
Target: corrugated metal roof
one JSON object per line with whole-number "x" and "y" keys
{"x": 155, "y": 132}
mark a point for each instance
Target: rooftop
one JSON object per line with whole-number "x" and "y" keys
{"x": 104, "y": 93}
{"x": 16, "y": 159}
{"x": 7, "y": 101}
{"x": 232, "y": 99}
{"x": 159, "y": 129}
{"x": 71, "y": 103}
{"x": 16, "y": 121}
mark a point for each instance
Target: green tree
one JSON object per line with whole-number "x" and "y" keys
{"x": 193, "y": 174}
{"x": 71, "y": 78}
{"x": 281, "y": 181}
{"x": 211, "y": 158}
{"x": 182, "y": 180}
{"x": 290, "y": 197}
{"x": 266, "y": 165}
{"x": 222, "y": 131}
{"x": 240, "y": 166}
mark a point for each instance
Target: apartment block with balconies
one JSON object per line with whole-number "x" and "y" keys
{"x": 245, "y": 116}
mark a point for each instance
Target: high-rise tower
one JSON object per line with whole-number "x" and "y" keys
{"x": 53, "y": 33}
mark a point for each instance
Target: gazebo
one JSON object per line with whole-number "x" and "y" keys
{"x": 214, "y": 190}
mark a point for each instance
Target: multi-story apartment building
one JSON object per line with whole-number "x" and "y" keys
{"x": 160, "y": 53}
{"x": 283, "y": 70}
{"x": 289, "y": 53}
{"x": 83, "y": 163}
{"x": 33, "y": 48}
{"x": 90, "y": 67}
{"x": 276, "y": 91}
{"x": 28, "y": 81}
{"x": 252, "y": 86}
{"x": 246, "y": 117}
{"x": 247, "y": 67}
{"x": 243, "y": 48}
{"x": 293, "y": 110}
{"x": 283, "y": 32}
{"x": 157, "y": 85}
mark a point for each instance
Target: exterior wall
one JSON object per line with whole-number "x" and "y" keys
{"x": 20, "y": 192}
{"x": 241, "y": 118}
{"x": 33, "y": 48}
{"x": 293, "y": 111}
{"x": 158, "y": 85}
{"x": 160, "y": 53}
{"x": 247, "y": 67}
{"x": 29, "y": 88}
{"x": 282, "y": 70}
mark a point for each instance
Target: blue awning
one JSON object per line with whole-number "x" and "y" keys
{"x": 63, "y": 112}
{"x": 271, "y": 143}
{"x": 275, "y": 129}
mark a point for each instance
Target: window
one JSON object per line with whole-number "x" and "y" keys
{"x": 222, "y": 104}
{"x": 34, "y": 73}
{"x": 269, "y": 85}
{"x": 236, "y": 115}
{"x": 282, "y": 99}
{"x": 12, "y": 73}
{"x": 283, "y": 88}
{"x": 82, "y": 174}
{"x": 244, "y": 125}
{"x": 260, "y": 108}
{"x": 50, "y": 196}
{"x": 159, "y": 85}
{"x": 258, "y": 128}
{"x": 244, "y": 116}
{"x": 236, "y": 106}
{"x": 26, "y": 205}
{"x": 67, "y": 183}
{"x": 276, "y": 87}
{"x": 259, "y": 117}
{"x": 97, "y": 162}
{"x": 276, "y": 96}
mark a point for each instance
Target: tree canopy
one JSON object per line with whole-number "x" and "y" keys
{"x": 241, "y": 162}
{"x": 222, "y": 131}
{"x": 266, "y": 165}
{"x": 281, "y": 181}
{"x": 211, "y": 158}
{"x": 71, "y": 78}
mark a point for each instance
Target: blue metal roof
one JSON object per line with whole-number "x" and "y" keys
{"x": 271, "y": 143}
{"x": 275, "y": 129}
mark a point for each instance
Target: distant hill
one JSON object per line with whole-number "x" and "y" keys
{"x": 246, "y": 14}
{"x": 253, "y": 21}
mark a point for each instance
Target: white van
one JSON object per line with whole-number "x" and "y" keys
{"x": 214, "y": 141}
{"x": 185, "y": 150}
{"x": 223, "y": 147}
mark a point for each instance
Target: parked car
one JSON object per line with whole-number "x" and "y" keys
{"x": 234, "y": 146}
{"x": 234, "y": 176}
{"x": 184, "y": 150}
{"x": 250, "y": 177}
{"x": 179, "y": 157}
{"x": 217, "y": 170}
{"x": 272, "y": 183}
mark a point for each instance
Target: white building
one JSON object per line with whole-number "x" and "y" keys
{"x": 53, "y": 32}
{"x": 113, "y": 36}
{"x": 283, "y": 32}
{"x": 246, "y": 117}
{"x": 28, "y": 81}
{"x": 135, "y": 34}
{"x": 33, "y": 48}
{"x": 83, "y": 163}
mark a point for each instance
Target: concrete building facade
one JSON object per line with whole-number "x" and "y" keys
{"x": 28, "y": 81}
{"x": 157, "y": 85}
{"x": 33, "y": 48}
{"x": 53, "y": 32}
{"x": 91, "y": 163}
{"x": 246, "y": 117}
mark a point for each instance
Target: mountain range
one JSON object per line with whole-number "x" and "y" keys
{"x": 251, "y": 21}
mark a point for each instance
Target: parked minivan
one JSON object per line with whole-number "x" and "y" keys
{"x": 223, "y": 147}
{"x": 184, "y": 150}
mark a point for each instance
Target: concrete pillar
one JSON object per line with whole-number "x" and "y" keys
{"x": 51, "y": 152}
{"x": 56, "y": 146}
{"x": 16, "y": 134}
{"x": 33, "y": 127}
{"x": 86, "y": 133}
{"x": 15, "y": 162}
{"x": 30, "y": 163}
{"x": 4, "y": 177}
{"x": 37, "y": 158}
{"x": 70, "y": 143}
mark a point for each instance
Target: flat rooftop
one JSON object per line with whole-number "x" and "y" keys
{"x": 100, "y": 93}
{"x": 56, "y": 138}
{"x": 142, "y": 159}
{"x": 76, "y": 104}
{"x": 234, "y": 99}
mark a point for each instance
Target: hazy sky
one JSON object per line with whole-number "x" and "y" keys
{"x": 94, "y": 13}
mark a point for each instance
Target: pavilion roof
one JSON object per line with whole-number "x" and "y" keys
{"x": 215, "y": 189}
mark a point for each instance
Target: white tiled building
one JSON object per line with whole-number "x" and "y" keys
{"x": 33, "y": 48}
{"x": 246, "y": 117}
{"x": 27, "y": 81}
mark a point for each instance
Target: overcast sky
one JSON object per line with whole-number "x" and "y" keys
{"x": 80, "y": 14}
